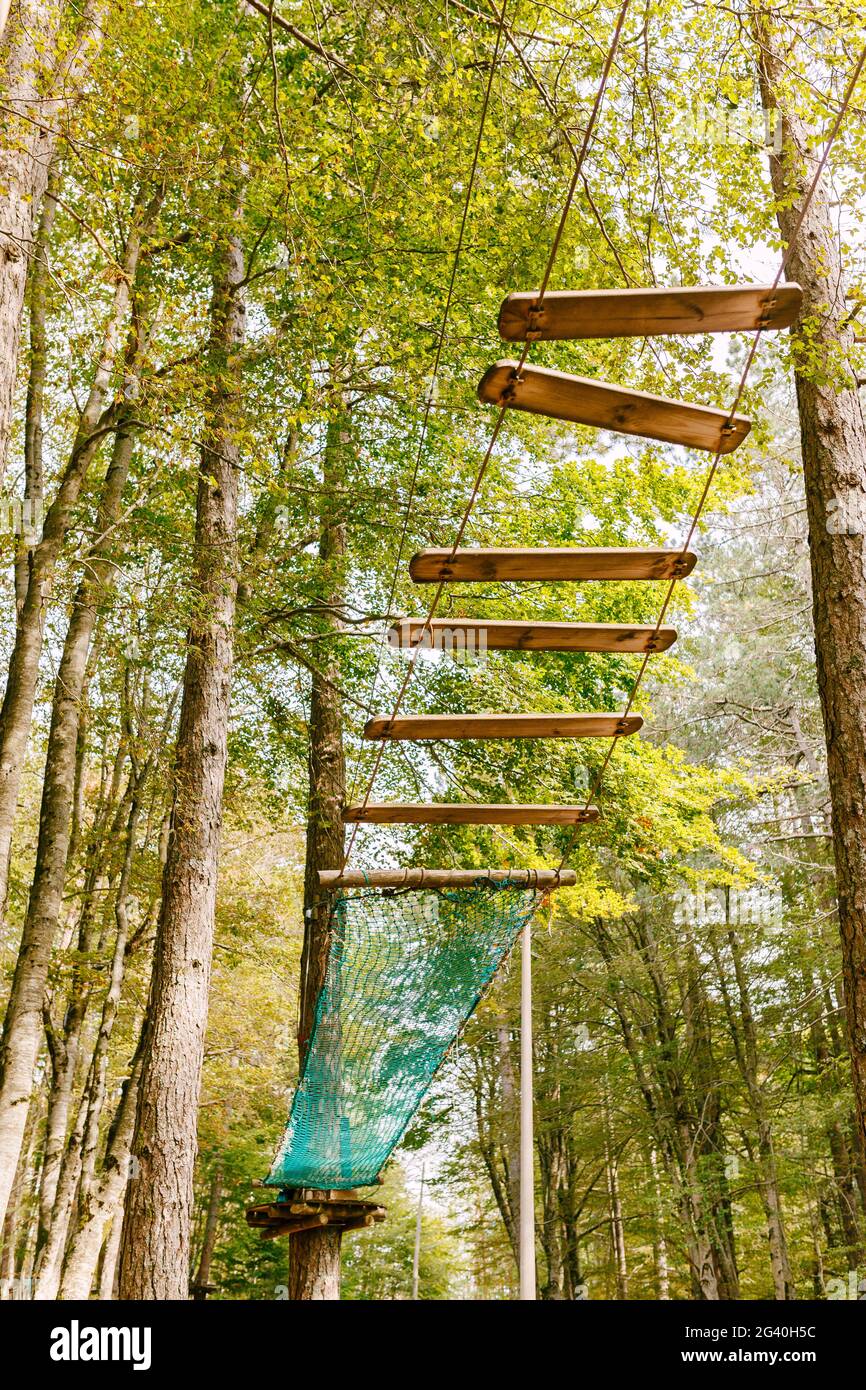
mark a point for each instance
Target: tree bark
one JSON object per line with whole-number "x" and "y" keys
{"x": 38, "y": 88}
{"x": 201, "y": 1283}
{"x": 155, "y": 1245}
{"x": 314, "y": 1256}
{"x": 23, "y": 1023}
{"x": 833, "y": 438}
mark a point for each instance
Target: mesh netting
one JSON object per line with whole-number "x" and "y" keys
{"x": 404, "y": 973}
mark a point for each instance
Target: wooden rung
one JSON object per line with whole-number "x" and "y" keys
{"x": 550, "y": 565}
{"x": 543, "y": 391}
{"x": 444, "y": 878}
{"x": 431, "y": 726}
{"x": 643, "y": 313}
{"x": 441, "y": 813}
{"x": 480, "y": 634}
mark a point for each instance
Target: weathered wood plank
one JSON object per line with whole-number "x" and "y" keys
{"x": 480, "y": 634}
{"x": 543, "y": 391}
{"x": 550, "y": 565}
{"x": 459, "y": 726}
{"x": 441, "y": 813}
{"x": 639, "y": 313}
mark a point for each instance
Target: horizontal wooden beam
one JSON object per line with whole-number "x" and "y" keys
{"x": 441, "y": 813}
{"x": 583, "y": 401}
{"x": 644, "y": 313}
{"x": 480, "y": 634}
{"x": 459, "y": 726}
{"x": 444, "y": 878}
{"x": 549, "y": 565}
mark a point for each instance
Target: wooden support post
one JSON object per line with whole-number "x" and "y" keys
{"x": 527, "y": 1148}
{"x": 416, "y": 1259}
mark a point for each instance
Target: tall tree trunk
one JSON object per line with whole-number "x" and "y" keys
{"x": 39, "y": 90}
{"x": 660, "y": 1245}
{"x": 155, "y": 1246}
{"x": 33, "y": 410}
{"x": 201, "y": 1283}
{"x": 833, "y": 437}
{"x": 57, "y": 796}
{"x": 103, "y": 1205}
{"x": 314, "y": 1256}
{"x": 744, "y": 1034}
{"x": 617, "y": 1229}
{"x": 23, "y": 1024}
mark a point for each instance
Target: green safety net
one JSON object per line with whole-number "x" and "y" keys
{"x": 405, "y": 971}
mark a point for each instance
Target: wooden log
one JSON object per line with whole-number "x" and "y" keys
{"x": 639, "y": 313}
{"x": 360, "y": 1223}
{"x": 460, "y": 726}
{"x": 481, "y": 634}
{"x": 550, "y": 565}
{"x": 444, "y": 878}
{"x": 292, "y": 1227}
{"x": 583, "y": 401}
{"x": 444, "y": 813}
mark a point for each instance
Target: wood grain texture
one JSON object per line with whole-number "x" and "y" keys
{"x": 550, "y": 564}
{"x": 543, "y": 391}
{"x": 432, "y": 726}
{"x": 444, "y": 878}
{"x": 476, "y": 634}
{"x": 443, "y": 813}
{"x": 639, "y": 313}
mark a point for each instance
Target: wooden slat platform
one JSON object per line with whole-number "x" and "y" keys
{"x": 308, "y": 1209}
{"x": 433, "y": 726}
{"x": 550, "y": 564}
{"x": 475, "y": 634}
{"x": 640, "y": 313}
{"x": 444, "y": 813}
{"x": 444, "y": 878}
{"x": 543, "y": 391}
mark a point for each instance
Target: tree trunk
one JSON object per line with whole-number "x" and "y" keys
{"x": 833, "y": 437}
{"x": 39, "y": 89}
{"x": 314, "y": 1256}
{"x": 102, "y": 1207}
{"x": 201, "y": 1284}
{"x": 23, "y": 1025}
{"x": 155, "y": 1246}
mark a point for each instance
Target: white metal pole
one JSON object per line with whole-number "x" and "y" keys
{"x": 416, "y": 1262}
{"x": 527, "y": 1169}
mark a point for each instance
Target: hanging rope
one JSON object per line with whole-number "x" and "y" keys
{"x": 482, "y": 470}
{"x": 458, "y": 250}
{"x": 596, "y": 785}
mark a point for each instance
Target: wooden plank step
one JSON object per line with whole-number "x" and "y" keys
{"x": 481, "y": 634}
{"x": 550, "y": 564}
{"x": 544, "y": 391}
{"x": 443, "y": 813}
{"x": 432, "y": 726}
{"x": 643, "y": 313}
{"x": 444, "y": 878}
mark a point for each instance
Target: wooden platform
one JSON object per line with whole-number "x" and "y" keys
{"x": 543, "y": 391}
{"x": 644, "y": 313}
{"x": 445, "y": 878}
{"x": 477, "y": 634}
{"x": 445, "y": 813}
{"x": 459, "y": 726}
{"x": 550, "y": 565}
{"x": 311, "y": 1209}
